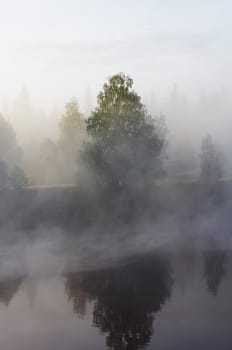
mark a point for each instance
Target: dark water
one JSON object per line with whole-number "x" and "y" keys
{"x": 175, "y": 301}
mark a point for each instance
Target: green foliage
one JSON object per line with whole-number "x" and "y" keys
{"x": 211, "y": 167}
{"x": 72, "y": 127}
{"x": 127, "y": 144}
{"x": 119, "y": 109}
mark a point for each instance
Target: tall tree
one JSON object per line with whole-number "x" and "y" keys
{"x": 72, "y": 135}
{"x": 72, "y": 127}
{"x": 58, "y": 160}
{"x": 119, "y": 109}
{"x": 127, "y": 147}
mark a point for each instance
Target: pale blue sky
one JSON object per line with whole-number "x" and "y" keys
{"x": 101, "y": 20}
{"x": 59, "y": 47}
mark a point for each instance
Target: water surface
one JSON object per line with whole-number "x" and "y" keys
{"x": 171, "y": 301}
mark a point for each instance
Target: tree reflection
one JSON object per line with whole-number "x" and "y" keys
{"x": 8, "y": 288}
{"x": 76, "y": 293}
{"x": 214, "y": 269}
{"x": 125, "y": 299}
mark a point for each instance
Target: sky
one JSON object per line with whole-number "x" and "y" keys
{"x": 59, "y": 48}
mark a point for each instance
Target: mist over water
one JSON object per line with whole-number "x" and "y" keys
{"x": 115, "y": 175}
{"x": 89, "y": 236}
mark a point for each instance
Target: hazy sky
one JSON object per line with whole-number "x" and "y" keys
{"x": 60, "y": 47}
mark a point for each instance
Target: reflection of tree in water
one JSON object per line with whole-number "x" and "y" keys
{"x": 8, "y": 288}
{"x": 125, "y": 300}
{"x": 184, "y": 264}
{"x": 214, "y": 269}
{"x": 76, "y": 293}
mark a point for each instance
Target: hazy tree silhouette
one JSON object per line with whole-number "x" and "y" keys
{"x": 214, "y": 270}
{"x": 8, "y": 288}
{"x": 11, "y": 172}
{"x": 58, "y": 159}
{"x": 9, "y": 149}
{"x": 72, "y": 135}
{"x": 23, "y": 114}
{"x": 18, "y": 178}
{"x": 72, "y": 128}
{"x": 76, "y": 294}
{"x": 211, "y": 167}
{"x": 125, "y": 300}
{"x": 5, "y": 182}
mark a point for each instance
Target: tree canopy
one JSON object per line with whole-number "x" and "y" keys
{"x": 72, "y": 126}
{"x": 127, "y": 144}
{"x": 119, "y": 109}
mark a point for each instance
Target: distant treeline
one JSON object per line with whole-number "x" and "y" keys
{"x": 120, "y": 146}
